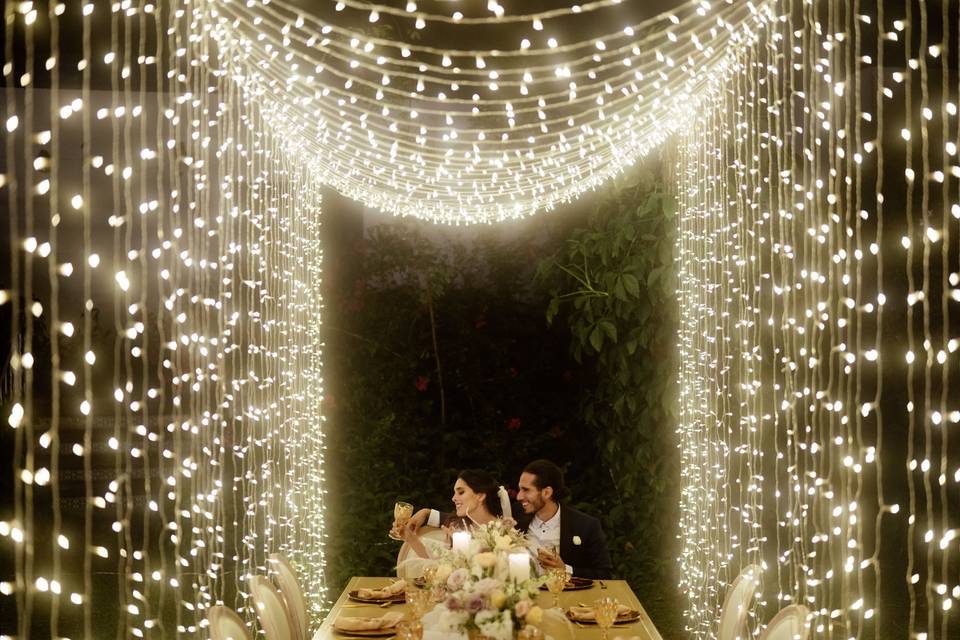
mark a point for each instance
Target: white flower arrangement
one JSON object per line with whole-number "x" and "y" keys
{"x": 481, "y": 595}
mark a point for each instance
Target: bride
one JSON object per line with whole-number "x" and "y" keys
{"x": 477, "y": 499}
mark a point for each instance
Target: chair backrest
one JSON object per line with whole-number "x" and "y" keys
{"x": 406, "y": 567}
{"x": 225, "y": 624}
{"x": 790, "y": 623}
{"x": 292, "y": 594}
{"x": 271, "y": 611}
{"x": 736, "y": 605}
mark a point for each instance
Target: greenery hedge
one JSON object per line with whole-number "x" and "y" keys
{"x": 549, "y": 341}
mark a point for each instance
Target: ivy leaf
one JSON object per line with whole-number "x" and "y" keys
{"x": 619, "y": 292}
{"x": 596, "y": 337}
{"x": 631, "y": 284}
{"x": 652, "y": 278}
{"x": 552, "y": 310}
{"x": 610, "y": 329}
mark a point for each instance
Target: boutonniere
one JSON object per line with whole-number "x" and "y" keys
{"x": 577, "y": 541}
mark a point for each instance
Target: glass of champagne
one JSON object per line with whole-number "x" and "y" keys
{"x": 556, "y": 580}
{"x": 402, "y": 512}
{"x": 606, "y": 611}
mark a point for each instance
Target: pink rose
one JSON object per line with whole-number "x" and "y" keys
{"x": 522, "y": 608}
{"x": 457, "y": 578}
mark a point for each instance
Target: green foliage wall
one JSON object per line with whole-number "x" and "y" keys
{"x": 613, "y": 284}
{"x": 440, "y": 358}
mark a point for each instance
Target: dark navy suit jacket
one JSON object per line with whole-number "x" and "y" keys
{"x": 590, "y": 558}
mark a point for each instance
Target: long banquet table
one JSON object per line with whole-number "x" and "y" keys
{"x": 642, "y": 628}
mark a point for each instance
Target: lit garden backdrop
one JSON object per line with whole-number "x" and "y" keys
{"x": 162, "y": 173}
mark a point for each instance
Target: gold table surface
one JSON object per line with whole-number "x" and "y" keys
{"x": 642, "y": 628}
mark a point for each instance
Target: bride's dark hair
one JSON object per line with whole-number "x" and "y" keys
{"x": 482, "y": 482}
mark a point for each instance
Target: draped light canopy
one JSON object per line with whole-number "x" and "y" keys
{"x": 165, "y": 387}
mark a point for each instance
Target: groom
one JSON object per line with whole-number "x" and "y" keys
{"x": 578, "y": 538}
{"x": 581, "y": 547}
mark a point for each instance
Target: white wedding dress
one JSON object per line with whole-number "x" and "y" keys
{"x": 409, "y": 564}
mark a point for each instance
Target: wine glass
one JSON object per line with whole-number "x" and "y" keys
{"x": 605, "y": 610}
{"x": 556, "y": 580}
{"x": 402, "y": 512}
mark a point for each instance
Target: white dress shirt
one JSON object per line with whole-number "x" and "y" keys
{"x": 546, "y": 535}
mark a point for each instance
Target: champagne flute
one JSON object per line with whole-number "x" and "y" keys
{"x": 556, "y": 580}
{"x": 605, "y": 610}
{"x": 402, "y": 512}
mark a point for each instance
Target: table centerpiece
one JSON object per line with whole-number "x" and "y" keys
{"x": 485, "y": 584}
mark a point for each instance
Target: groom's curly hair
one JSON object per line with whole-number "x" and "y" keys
{"x": 548, "y": 474}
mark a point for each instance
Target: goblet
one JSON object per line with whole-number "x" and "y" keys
{"x": 530, "y": 632}
{"x": 556, "y": 580}
{"x": 419, "y": 600}
{"x": 409, "y": 630}
{"x": 402, "y": 512}
{"x": 605, "y": 610}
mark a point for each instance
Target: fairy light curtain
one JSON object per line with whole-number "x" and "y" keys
{"x": 163, "y": 396}
{"x": 819, "y": 263}
{"x": 163, "y": 388}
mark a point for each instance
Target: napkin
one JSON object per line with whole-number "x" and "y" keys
{"x": 385, "y": 593}
{"x": 360, "y": 623}
{"x": 587, "y": 614}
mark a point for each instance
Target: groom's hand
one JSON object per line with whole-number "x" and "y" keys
{"x": 550, "y": 560}
{"x": 419, "y": 519}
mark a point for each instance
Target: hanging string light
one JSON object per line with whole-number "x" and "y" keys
{"x": 815, "y": 392}
{"x": 171, "y": 357}
{"x": 472, "y": 136}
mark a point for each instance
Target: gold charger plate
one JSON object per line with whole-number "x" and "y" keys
{"x": 632, "y": 616}
{"x": 573, "y": 584}
{"x": 397, "y": 599}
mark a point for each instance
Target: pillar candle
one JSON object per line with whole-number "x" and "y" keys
{"x": 520, "y": 566}
{"x": 461, "y": 541}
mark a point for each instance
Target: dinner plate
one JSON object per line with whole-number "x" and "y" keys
{"x": 397, "y": 599}
{"x": 574, "y": 584}
{"x": 631, "y": 616}
{"x": 369, "y": 633}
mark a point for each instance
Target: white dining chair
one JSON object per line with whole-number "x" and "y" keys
{"x": 790, "y": 623}
{"x": 409, "y": 565}
{"x": 736, "y": 605}
{"x": 271, "y": 611}
{"x": 225, "y": 624}
{"x": 286, "y": 579}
